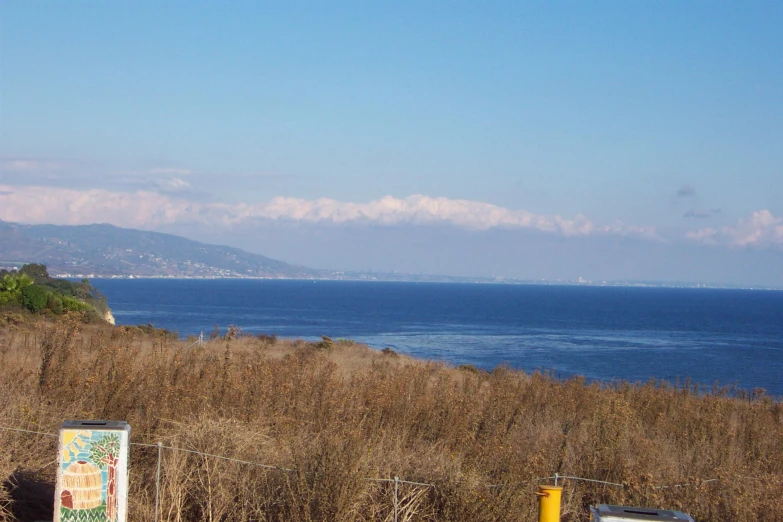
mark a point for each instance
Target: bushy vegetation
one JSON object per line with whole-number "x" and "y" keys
{"x": 31, "y": 288}
{"x": 338, "y": 416}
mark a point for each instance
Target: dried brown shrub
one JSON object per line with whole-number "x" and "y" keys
{"x": 326, "y": 420}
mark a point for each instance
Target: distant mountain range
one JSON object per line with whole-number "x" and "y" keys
{"x": 109, "y": 251}
{"x": 106, "y": 250}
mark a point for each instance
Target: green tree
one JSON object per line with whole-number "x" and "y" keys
{"x": 11, "y": 287}
{"x": 8, "y": 283}
{"x": 71, "y": 304}
{"x": 15, "y": 282}
{"x": 33, "y": 288}
{"x": 6, "y": 298}
{"x": 37, "y": 272}
{"x": 34, "y": 298}
{"x": 55, "y": 303}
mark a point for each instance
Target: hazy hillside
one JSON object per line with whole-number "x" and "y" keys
{"x": 104, "y": 250}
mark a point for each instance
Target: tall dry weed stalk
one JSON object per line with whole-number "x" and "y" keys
{"x": 328, "y": 416}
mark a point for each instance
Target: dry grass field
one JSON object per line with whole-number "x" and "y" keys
{"x": 336, "y": 413}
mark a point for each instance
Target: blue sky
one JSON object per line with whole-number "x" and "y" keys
{"x": 656, "y": 127}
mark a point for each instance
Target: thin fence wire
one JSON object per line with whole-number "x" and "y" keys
{"x": 28, "y": 431}
{"x": 506, "y": 484}
{"x": 556, "y": 477}
{"x": 685, "y": 485}
{"x": 212, "y": 455}
{"x": 582, "y": 479}
{"x": 400, "y": 481}
{"x": 159, "y": 446}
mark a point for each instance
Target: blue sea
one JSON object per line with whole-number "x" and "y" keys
{"x": 603, "y": 333}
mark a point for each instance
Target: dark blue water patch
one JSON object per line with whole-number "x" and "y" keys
{"x": 602, "y": 333}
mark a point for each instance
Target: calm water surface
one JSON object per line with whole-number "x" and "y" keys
{"x": 728, "y": 336}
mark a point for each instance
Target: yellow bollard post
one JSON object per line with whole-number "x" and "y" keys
{"x": 549, "y": 503}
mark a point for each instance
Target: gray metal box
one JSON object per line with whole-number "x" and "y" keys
{"x": 608, "y": 513}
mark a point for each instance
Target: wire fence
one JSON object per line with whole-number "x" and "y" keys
{"x": 397, "y": 481}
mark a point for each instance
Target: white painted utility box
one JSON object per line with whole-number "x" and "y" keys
{"x": 92, "y": 476}
{"x": 608, "y": 513}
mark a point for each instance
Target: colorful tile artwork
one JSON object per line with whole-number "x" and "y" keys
{"x": 92, "y": 478}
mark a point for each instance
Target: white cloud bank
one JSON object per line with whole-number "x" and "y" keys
{"x": 150, "y": 210}
{"x": 760, "y": 229}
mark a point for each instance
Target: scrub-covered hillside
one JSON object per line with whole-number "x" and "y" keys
{"x": 32, "y": 289}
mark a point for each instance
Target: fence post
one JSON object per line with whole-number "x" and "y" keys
{"x": 157, "y": 483}
{"x": 396, "y": 489}
{"x": 549, "y": 503}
